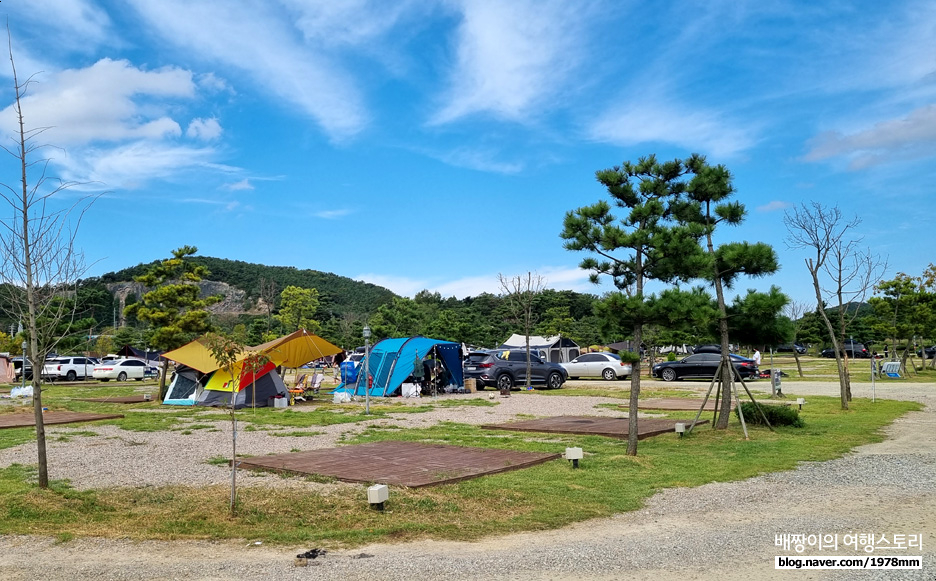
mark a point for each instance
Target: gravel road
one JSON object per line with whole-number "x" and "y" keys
{"x": 720, "y": 530}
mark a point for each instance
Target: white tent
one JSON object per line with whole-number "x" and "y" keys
{"x": 557, "y": 349}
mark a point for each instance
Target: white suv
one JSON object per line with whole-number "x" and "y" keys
{"x": 69, "y": 368}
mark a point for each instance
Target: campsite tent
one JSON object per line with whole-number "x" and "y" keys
{"x": 184, "y": 387}
{"x": 7, "y": 372}
{"x": 268, "y": 386}
{"x": 392, "y": 361}
{"x": 134, "y": 353}
{"x": 557, "y": 349}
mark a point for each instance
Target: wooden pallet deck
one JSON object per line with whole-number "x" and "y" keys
{"x": 121, "y": 399}
{"x": 20, "y": 420}
{"x": 591, "y": 426}
{"x": 399, "y": 463}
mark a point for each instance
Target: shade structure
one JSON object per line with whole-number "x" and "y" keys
{"x": 297, "y": 349}
{"x": 197, "y": 356}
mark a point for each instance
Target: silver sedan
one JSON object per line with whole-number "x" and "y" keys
{"x": 605, "y": 365}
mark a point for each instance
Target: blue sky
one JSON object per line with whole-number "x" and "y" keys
{"x": 435, "y": 144}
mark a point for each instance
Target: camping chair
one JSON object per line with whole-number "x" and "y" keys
{"x": 315, "y": 384}
{"x": 298, "y": 390}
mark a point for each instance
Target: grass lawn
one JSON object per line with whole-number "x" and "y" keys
{"x": 542, "y": 497}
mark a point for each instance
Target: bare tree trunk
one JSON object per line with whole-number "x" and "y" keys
{"x": 799, "y": 364}
{"x": 634, "y": 398}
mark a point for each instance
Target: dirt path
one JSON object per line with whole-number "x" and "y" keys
{"x": 720, "y": 530}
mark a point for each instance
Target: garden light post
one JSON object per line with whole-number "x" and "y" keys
{"x": 366, "y": 333}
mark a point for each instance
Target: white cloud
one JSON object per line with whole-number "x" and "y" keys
{"x": 244, "y": 184}
{"x": 204, "y": 129}
{"x": 254, "y": 38}
{"x": 560, "y": 278}
{"x": 103, "y": 102}
{"x": 401, "y": 285}
{"x": 512, "y": 57}
{"x": 908, "y": 137}
{"x": 698, "y": 130}
{"x": 774, "y": 206}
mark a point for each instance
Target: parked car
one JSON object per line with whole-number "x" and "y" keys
{"x": 852, "y": 349}
{"x": 930, "y": 352}
{"x": 507, "y": 368}
{"x": 605, "y": 365}
{"x": 121, "y": 370}
{"x": 702, "y": 365}
{"x": 713, "y": 348}
{"x": 69, "y": 368}
{"x": 18, "y": 368}
{"x": 790, "y": 347}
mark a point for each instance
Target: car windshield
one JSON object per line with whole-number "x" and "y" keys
{"x": 476, "y": 357}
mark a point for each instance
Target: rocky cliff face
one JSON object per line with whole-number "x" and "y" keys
{"x": 234, "y": 301}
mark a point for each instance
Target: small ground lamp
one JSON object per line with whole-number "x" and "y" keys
{"x": 574, "y": 454}
{"x": 800, "y": 401}
{"x": 680, "y": 429}
{"x": 377, "y": 495}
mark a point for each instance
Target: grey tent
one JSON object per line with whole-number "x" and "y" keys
{"x": 267, "y": 387}
{"x": 184, "y": 387}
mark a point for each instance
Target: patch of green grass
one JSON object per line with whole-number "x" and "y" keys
{"x": 12, "y": 437}
{"x": 295, "y": 434}
{"x": 607, "y": 482}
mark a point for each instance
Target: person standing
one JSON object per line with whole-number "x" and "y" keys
{"x": 756, "y": 358}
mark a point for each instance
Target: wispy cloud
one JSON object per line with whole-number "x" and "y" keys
{"x": 132, "y": 165}
{"x": 331, "y": 214}
{"x": 244, "y": 184}
{"x": 512, "y": 58}
{"x": 912, "y": 136}
{"x": 774, "y": 206}
{"x": 480, "y": 160}
{"x": 273, "y": 57}
{"x": 695, "y": 130}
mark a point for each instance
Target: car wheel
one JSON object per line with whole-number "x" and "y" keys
{"x": 505, "y": 381}
{"x": 608, "y": 374}
{"x": 554, "y": 381}
{"x": 71, "y": 376}
{"x": 122, "y": 376}
{"x": 668, "y": 375}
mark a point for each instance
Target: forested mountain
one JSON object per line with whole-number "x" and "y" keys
{"x": 339, "y": 295}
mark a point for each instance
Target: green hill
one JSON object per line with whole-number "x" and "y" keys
{"x": 339, "y": 295}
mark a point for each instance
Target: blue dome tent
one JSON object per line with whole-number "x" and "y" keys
{"x": 392, "y": 361}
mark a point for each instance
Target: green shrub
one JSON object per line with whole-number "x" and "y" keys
{"x": 777, "y": 415}
{"x": 671, "y": 356}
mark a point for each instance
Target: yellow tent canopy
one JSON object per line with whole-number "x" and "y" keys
{"x": 293, "y": 350}
{"x": 297, "y": 349}
{"x": 197, "y": 356}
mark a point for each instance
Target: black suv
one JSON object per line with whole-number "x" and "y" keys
{"x": 507, "y": 369}
{"x": 852, "y": 349}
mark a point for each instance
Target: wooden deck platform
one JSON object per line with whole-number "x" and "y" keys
{"x": 591, "y": 426}
{"x": 399, "y": 463}
{"x": 116, "y": 399}
{"x": 21, "y": 420}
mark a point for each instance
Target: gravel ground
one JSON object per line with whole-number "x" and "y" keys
{"x": 721, "y": 530}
